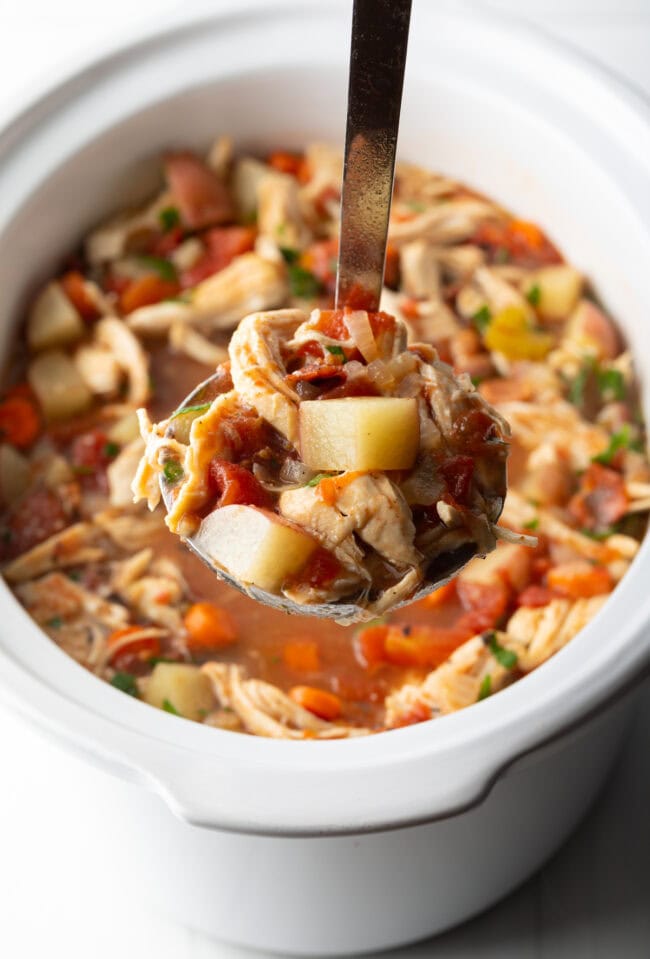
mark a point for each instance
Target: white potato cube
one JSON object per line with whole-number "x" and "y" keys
{"x": 559, "y": 288}
{"x": 180, "y": 687}
{"x": 359, "y": 433}
{"x": 53, "y": 320}
{"x": 255, "y": 546}
{"x": 58, "y": 385}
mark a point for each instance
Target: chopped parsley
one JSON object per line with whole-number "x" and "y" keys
{"x": 126, "y": 683}
{"x": 622, "y": 440}
{"x": 74, "y": 575}
{"x": 578, "y": 384}
{"x": 534, "y": 295}
{"x": 315, "y": 480}
{"x": 302, "y": 282}
{"x": 482, "y": 319}
{"x": 170, "y": 708}
{"x": 164, "y": 268}
{"x": 485, "y": 688}
{"x": 505, "y": 657}
{"x": 611, "y": 384}
{"x": 111, "y": 450}
{"x": 600, "y": 534}
{"x": 289, "y": 255}
{"x": 173, "y": 471}
{"x": 532, "y": 524}
{"x": 337, "y": 351}
{"x": 199, "y": 408}
{"x": 169, "y": 218}
{"x": 55, "y": 623}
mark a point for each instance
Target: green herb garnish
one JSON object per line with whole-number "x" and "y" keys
{"x": 111, "y": 450}
{"x": 173, "y": 471}
{"x": 315, "y": 480}
{"x": 302, "y": 282}
{"x": 55, "y": 623}
{"x": 169, "y": 218}
{"x": 622, "y": 440}
{"x": 289, "y": 255}
{"x": 482, "y": 319}
{"x": 164, "y": 268}
{"x": 611, "y": 384}
{"x": 600, "y": 534}
{"x": 337, "y": 351}
{"x": 578, "y": 384}
{"x": 534, "y": 295}
{"x": 504, "y": 656}
{"x": 126, "y": 683}
{"x": 532, "y": 524}
{"x": 199, "y": 408}
{"x": 485, "y": 689}
{"x": 170, "y": 708}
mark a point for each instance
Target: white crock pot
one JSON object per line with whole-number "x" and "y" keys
{"x": 355, "y": 845}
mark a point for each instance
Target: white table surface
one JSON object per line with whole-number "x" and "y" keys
{"x": 591, "y": 902}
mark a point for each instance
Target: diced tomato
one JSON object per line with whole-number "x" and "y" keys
{"x": 580, "y": 579}
{"x": 473, "y": 429}
{"x": 285, "y": 162}
{"x": 89, "y": 456}
{"x": 146, "y": 290}
{"x": 201, "y": 196}
{"x": 327, "y": 196}
{"x": 325, "y": 705}
{"x": 301, "y": 656}
{"x": 422, "y": 646}
{"x": 370, "y": 646}
{"x": 166, "y": 243}
{"x": 521, "y": 241}
{"x": 332, "y": 324}
{"x": 417, "y": 713}
{"x": 36, "y": 517}
{"x": 20, "y": 423}
{"x": 457, "y": 473}
{"x": 74, "y": 287}
{"x": 322, "y": 569}
{"x": 233, "y": 484}
{"x": 536, "y": 596}
{"x": 485, "y": 605}
{"x": 112, "y": 283}
{"x": 601, "y": 499}
{"x": 409, "y": 307}
{"x": 223, "y": 244}
{"x": 315, "y": 371}
{"x": 360, "y": 298}
{"x": 125, "y": 654}
{"x": 321, "y": 260}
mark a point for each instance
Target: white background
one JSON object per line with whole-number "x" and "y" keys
{"x": 591, "y": 902}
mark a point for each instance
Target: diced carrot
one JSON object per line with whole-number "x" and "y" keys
{"x": 123, "y": 653}
{"x": 19, "y": 421}
{"x": 74, "y": 287}
{"x": 202, "y": 197}
{"x": 422, "y": 646}
{"x": 370, "y": 646}
{"x": 147, "y": 290}
{"x": 439, "y": 597}
{"x": 530, "y": 232}
{"x": 209, "y": 627}
{"x": 318, "y": 701}
{"x": 329, "y": 488}
{"x": 302, "y": 656}
{"x": 285, "y": 162}
{"x": 580, "y": 580}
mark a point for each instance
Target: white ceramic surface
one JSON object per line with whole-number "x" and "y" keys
{"x": 555, "y": 159}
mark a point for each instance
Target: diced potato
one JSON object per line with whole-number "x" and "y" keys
{"x": 559, "y": 289}
{"x": 14, "y": 474}
{"x": 359, "y": 433}
{"x": 255, "y": 546}
{"x": 53, "y": 320}
{"x": 124, "y": 430}
{"x": 510, "y": 562}
{"x": 58, "y": 385}
{"x": 99, "y": 369}
{"x": 247, "y": 175}
{"x": 182, "y": 687}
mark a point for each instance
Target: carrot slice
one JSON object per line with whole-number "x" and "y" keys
{"x": 580, "y": 580}
{"x": 140, "y": 648}
{"x": 370, "y": 646}
{"x": 147, "y": 290}
{"x": 19, "y": 421}
{"x": 74, "y": 287}
{"x": 317, "y": 701}
{"x": 302, "y": 656}
{"x": 286, "y": 162}
{"x": 209, "y": 627}
{"x": 422, "y": 646}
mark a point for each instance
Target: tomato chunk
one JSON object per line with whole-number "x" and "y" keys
{"x": 223, "y": 244}
{"x": 233, "y": 484}
{"x": 36, "y": 517}
{"x": 74, "y": 287}
{"x": 458, "y": 473}
{"x": 601, "y": 499}
{"x": 146, "y": 291}
{"x": 20, "y": 423}
{"x": 125, "y": 654}
{"x": 580, "y": 580}
{"x": 485, "y": 604}
{"x": 202, "y": 198}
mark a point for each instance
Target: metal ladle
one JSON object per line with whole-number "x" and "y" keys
{"x": 377, "y": 60}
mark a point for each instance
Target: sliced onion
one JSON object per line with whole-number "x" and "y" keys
{"x": 360, "y": 329}
{"x": 295, "y": 472}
